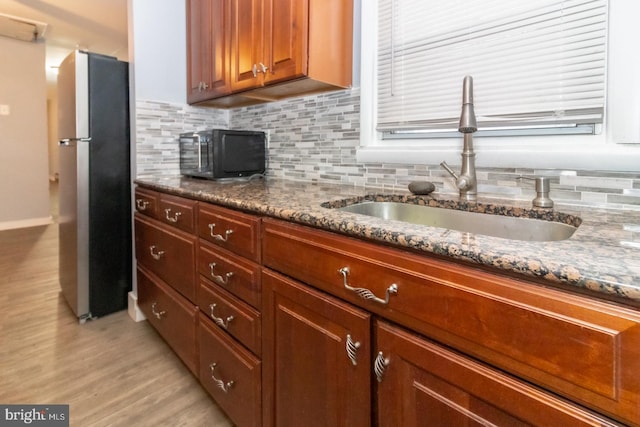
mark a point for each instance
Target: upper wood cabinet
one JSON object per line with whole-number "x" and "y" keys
{"x": 208, "y": 45}
{"x": 246, "y": 43}
{"x": 265, "y": 50}
{"x": 269, "y": 42}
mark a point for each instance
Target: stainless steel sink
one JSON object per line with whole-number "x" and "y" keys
{"x": 515, "y": 228}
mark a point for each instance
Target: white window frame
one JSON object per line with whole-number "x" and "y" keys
{"x": 615, "y": 148}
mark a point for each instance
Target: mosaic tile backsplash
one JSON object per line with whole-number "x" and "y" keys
{"x": 315, "y": 138}
{"x": 158, "y": 125}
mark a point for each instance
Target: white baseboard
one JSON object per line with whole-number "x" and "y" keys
{"x": 134, "y": 311}
{"x": 25, "y": 223}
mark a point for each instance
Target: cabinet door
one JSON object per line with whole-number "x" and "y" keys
{"x": 171, "y": 315}
{"x": 208, "y": 46}
{"x": 316, "y": 360}
{"x": 286, "y": 39}
{"x": 168, "y": 253}
{"x": 424, "y": 384}
{"x": 230, "y": 374}
{"x": 246, "y": 44}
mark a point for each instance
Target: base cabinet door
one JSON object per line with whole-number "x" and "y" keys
{"x": 175, "y": 318}
{"x": 231, "y": 375}
{"x": 424, "y": 384}
{"x": 316, "y": 360}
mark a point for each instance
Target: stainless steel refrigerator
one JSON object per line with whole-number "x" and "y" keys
{"x": 94, "y": 184}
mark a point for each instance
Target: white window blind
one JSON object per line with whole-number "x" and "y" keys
{"x": 534, "y": 63}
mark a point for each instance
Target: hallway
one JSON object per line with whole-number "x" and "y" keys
{"x": 111, "y": 371}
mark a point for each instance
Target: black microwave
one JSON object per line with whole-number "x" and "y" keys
{"x": 222, "y": 153}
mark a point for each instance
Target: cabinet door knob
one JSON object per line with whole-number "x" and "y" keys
{"x": 156, "y": 313}
{"x": 380, "y": 365}
{"x": 173, "y": 218}
{"x": 223, "y": 280}
{"x": 223, "y": 323}
{"x": 219, "y": 237}
{"x": 366, "y": 293}
{"x": 352, "y": 350}
{"x": 219, "y": 383}
{"x": 259, "y": 68}
{"x": 155, "y": 255}
{"x": 142, "y": 204}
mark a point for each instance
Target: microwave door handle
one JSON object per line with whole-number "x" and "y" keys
{"x": 197, "y": 137}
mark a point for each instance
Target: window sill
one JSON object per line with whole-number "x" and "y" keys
{"x": 619, "y": 158}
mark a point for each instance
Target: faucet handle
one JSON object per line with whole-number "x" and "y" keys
{"x": 543, "y": 186}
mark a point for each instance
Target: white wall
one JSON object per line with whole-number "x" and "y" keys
{"x": 157, "y": 70}
{"x": 24, "y": 163}
{"x": 157, "y": 49}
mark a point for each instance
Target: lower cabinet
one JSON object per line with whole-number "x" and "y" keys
{"x": 316, "y": 357}
{"x": 293, "y": 326}
{"x": 421, "y": 383}
{"x": 175, "y": 319}
{"x": 231, "y": 374}
{"x": 320, "y": 359}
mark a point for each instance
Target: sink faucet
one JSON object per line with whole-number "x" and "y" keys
{"x": 466, "y": 181}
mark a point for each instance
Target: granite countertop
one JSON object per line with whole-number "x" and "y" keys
{"x": 601, "y": 258}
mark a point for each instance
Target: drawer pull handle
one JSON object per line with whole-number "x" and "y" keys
{"x": 219, "y": 383}
{"x": 154, "y": 254}
{"x": 352, "y": 350}
{"x": 223, "y": 280}
{"x": 366, "y": 293}
{"x": 224, "y": 324}
{"x": 220, "y": 237}
{"x": 380, "y": 365}
{"x": 175, "y": 215}
{"x": 158, "y": 314}
{"x": 142, "y": 204}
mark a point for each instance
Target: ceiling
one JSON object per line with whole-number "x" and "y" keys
{"x": 98, "y": 26}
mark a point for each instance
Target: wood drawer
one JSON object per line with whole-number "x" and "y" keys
{"x": 168, "y": 253}
{"x": 235, "y": 231}
{"x": 231, "y": 315}
{"x": 178, "y": 212}
{"x": 171, "y": 315}
{"x": 585, "y": 349}
{"x": 231, "y": 374}
{"x": 447, "y": 385}
{"x": 232, "y": 272}
{"x": 146, "y": 202}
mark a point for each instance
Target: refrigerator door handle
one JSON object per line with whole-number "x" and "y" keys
{"x": 67, "y": 141}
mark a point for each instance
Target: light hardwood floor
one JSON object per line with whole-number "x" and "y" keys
{"x": 112, "y": 371}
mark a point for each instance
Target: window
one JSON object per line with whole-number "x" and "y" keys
{"x": 543, "y": 67}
